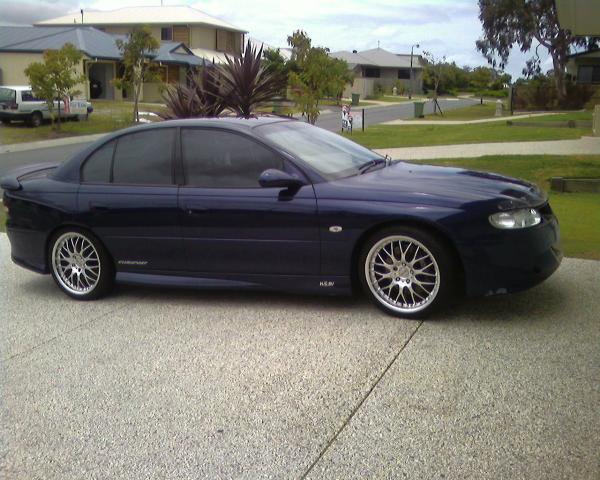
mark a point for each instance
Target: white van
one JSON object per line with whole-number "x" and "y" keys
{"x": 18, "y": 103}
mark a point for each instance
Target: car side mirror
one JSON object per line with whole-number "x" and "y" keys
{"x": 273, "y": 178}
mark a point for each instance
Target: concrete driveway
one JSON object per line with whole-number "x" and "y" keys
{"x": 158, "y": 383}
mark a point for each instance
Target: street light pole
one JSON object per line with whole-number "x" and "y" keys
{"x": 410, "y": 86}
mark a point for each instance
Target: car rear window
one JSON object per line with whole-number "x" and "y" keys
{"x": 144, "y": 158}
{"x": 27, "y": 96}
{"x": 7, "y": 95}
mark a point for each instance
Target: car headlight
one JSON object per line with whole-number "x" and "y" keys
{"x": 522, "y": 218}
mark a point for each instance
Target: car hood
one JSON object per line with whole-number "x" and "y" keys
{"x": 427, "y": 184}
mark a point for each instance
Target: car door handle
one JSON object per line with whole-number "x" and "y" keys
{"x": 193, "y": 210}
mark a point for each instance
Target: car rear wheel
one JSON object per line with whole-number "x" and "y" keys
{"x": 408, "y": 272}
{"x": 36, "y": 119}
{"x": 80, "y": 265}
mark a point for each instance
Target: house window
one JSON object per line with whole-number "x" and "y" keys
{"x": 372, "y": 72}
{"x": 166, "y": 33}
{"x": 588, "y": 74}
{"x": 226, "y": 41}
{"x": 404, "y": 74}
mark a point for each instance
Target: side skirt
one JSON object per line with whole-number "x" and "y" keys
{"x": 336, "y": 285}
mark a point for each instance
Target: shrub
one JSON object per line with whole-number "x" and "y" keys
{"x": 540, "y": 94}
{"x": 246, "y": 83}
{"x": 202, "y": 97}
{"x": 378, "y": 90}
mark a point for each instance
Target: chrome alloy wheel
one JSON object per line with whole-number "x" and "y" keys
{"x": 76, "y": 263}
{"x": 402, "y": 274}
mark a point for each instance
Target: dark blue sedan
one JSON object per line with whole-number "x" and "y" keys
{"x": 276, "y": 204}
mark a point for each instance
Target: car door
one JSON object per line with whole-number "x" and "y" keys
{"x": 128, "y": 197}
{"x": 232, "y": 225}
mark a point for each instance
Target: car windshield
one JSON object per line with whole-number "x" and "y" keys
{"x": 7, "y": 95}
{"x": 329, "y": 154}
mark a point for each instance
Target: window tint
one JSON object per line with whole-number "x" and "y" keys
{"x": 144, "y": 157}
{"x": 214, "y": 158}
{"x": 97, "y": 167}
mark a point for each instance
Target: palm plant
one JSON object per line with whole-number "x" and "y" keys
{"x": 209, "y": 89}
{"x": 246, "y": 83}
{"x": 202, "y": 98}
{"x": 182, "y": 102}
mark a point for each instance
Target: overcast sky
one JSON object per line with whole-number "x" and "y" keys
{"x": 443, "y": 27}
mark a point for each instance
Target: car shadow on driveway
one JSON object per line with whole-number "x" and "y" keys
{"x": 530, "y": 305}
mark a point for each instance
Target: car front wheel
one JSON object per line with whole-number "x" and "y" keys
{"x": 35, "y": 120}
{"x": 80, "y": 265}
{"x": 408, "y": 272}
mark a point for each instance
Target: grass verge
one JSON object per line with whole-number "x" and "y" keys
{"x": 577, "y": 212}
{"x": 390, "y": 136}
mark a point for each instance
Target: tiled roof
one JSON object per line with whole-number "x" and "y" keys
{"x": 91, "y": 41}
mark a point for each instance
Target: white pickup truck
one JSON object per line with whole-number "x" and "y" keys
{"x": 17, "y": 103}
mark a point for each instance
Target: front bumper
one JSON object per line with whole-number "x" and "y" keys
{"x": 510, "y": 261}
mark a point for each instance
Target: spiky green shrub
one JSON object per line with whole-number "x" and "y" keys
{"x": 246, "y": 83}
{"x": 202, "y": 97}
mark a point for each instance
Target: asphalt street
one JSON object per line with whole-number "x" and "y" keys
{"x": 177, "y": 384}
{"x": 330, "y": 121}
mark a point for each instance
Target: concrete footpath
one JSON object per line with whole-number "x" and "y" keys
{"x": 468, "y": 122}
{"x": 582, "y": 146}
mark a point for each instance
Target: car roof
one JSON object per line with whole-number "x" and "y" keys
{"x": 235, "y": 123}
{"x": 16, "y": 87}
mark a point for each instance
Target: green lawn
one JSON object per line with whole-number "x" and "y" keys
{"x": 389, "y": 136}
{"x": 107, "y": 117}
{"x": 472, "y": 112}
{"x": 559, "y": 117}
{"x": 577, "y": 213}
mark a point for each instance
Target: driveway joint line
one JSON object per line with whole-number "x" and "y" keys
{"x": 360, "y": 403}
{"x": 60, "y": 335}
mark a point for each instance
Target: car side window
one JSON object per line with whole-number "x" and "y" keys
{"x": 144, "y": 158}
{"x": 220, "y": 159}
{"x": 96, "y": 168}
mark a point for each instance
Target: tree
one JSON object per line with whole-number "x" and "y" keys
{"x": 56, "y": 77}
{"x": 481, "y": 79}
{"x": 301, "y": 45}
{"x": 313, "y": 74}
{"x": 341, "y": 76}
{"x": 434, "y": 72}
{"x": 507, "y": 23}
{"x": 274, "y": 61}
{"x": 137, "y": 51}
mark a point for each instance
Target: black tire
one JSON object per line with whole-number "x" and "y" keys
{"x": 102, "y": 283}
{"x": 383, "y": 276}
{"x": 36, "y": 119}
{"x": 5, "y": 121}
